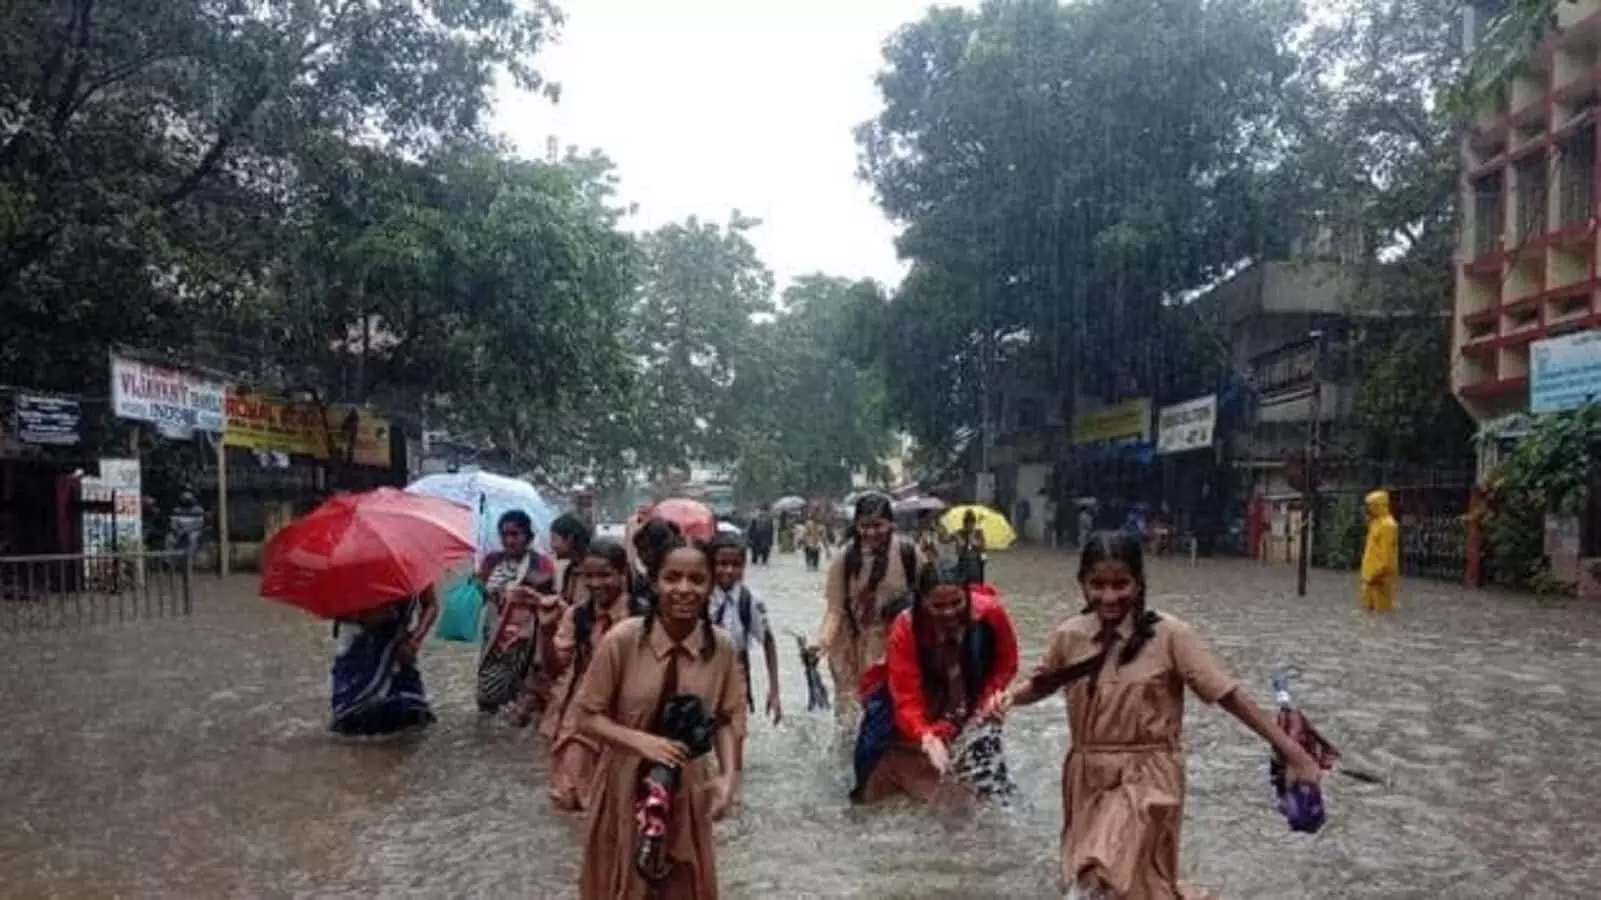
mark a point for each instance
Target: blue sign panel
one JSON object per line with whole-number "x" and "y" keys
{"x": 1564, "y": 372}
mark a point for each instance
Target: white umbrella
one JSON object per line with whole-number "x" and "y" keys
{"x": 789, "y": 504}
{"x": 492, "y": 496}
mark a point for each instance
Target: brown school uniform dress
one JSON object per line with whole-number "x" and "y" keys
{"x": 573, "y": 755}
{"x": 624, "y": 682}
{"x": 1123, "y": 779}
{"x": 853, "y": 652}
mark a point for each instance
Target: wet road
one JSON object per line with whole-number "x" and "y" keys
{"x": 187, "y": 759}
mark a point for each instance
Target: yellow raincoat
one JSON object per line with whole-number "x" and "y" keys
{"x": 1381, "y": 558}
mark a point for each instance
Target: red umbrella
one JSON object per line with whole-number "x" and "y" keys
{"x": 357, "y": 552}
{"x": 692, "y": 517}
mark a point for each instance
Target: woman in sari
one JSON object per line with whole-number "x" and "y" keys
{"x": 375, "y": 686}
{"x": 947, "y": 659}
{"x": 644, "y": 842}
{"x": 519, "y": 585}
{"x": 877, "y": 569}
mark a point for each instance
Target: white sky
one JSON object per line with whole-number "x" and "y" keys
{"x": 713, "y": 105}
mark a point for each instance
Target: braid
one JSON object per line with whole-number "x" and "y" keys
{"x": 709, "y": 645}
{"x": 650, "y": 620}
{"x": 1144, "y": 629}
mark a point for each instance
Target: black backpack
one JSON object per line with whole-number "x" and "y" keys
{"x": 900, "y": 604}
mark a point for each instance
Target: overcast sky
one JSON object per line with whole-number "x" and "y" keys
{"x": 713, "y": 105}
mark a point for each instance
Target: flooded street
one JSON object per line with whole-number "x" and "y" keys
{"x": 187, "y": 758}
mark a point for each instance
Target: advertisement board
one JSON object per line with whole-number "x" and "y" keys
{"x": 1187, "y": 426}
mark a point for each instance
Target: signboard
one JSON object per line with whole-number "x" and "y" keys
{"x": 117, "y": 525}
{"x": 1289, "y": 368}
{"x": 1187, "y": 426}
{"x": 1564, "y": 372}
{"x": 175, "y": 401}
{"x": 1126, "y": 421}
{"x": 283, "y": 426}
{"x": 47, "y": 420}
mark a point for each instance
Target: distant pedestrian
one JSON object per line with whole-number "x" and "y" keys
{"x": 1381, "y": 559}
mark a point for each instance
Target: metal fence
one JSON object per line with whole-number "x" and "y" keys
{"x": 67, "y": 590}
{"x": 1434, "y": 532}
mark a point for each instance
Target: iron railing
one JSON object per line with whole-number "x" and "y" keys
{"x": 65, "y": 590}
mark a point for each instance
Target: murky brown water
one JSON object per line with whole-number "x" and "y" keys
{"x": 187, "y": 759}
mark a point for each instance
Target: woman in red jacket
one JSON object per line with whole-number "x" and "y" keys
{"x": 927, "y": 708}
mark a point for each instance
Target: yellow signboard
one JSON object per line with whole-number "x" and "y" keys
{"x": 1129, "y": 420}
{"x": 269, "y": 423}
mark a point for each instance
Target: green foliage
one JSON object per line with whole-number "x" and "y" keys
{"x": 1546, "y": 472}
{"x": 150, "y": 169}
{"x": 1060, "y": 169}
{"x": 1343, "y": 533}
{"x": 810, "y": 414}
{"x": 689, "y": 327}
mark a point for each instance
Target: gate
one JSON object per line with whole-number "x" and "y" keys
{"x": 67, "y": 590}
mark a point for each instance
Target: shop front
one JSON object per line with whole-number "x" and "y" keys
{"x": 284, "y": 456}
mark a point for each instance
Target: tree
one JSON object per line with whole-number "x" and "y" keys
{"x": 701, "y": 287}
{"x": 1376, "y": 159}
{"x": 810, "y": 415}
{"x": 151, "y": 147}
{"x": 1061, "y": 172}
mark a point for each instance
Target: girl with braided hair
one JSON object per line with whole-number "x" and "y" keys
{"x": 876, "y": 573}
{"x": 649, "y": 837}
{"x": 1124, "y": 668}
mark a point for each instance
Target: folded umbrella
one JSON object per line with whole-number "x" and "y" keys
{"x": 1301, "y": 804}
{"x": 816, "y": 690}
{"x": 358, "y": 552}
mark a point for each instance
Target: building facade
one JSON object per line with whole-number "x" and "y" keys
{"x": 1527, "y": 248}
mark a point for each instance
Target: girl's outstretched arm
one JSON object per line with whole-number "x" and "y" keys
{"x": 1303, "y": 769}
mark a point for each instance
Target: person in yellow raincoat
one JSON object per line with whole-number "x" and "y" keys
{"x": 1381, "y": 558}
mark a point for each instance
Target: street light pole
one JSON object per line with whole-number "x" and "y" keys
{"x": 1309, "y": 468}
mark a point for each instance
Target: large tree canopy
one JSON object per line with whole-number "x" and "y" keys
{"x": 1060, "y": 170}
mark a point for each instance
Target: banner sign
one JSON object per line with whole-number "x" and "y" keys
{"x": 296, "y": 428}
{"x": 47, "y": 420}
{"x": 1126, "y": 421}
{"x": 1187, "y": 426}
{"x": 1565, "y": 372}
{"x": 175, "y": 401}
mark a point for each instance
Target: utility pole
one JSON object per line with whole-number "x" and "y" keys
{"x": 1309, "y": 468}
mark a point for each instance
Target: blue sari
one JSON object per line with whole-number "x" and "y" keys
{"x": 374, "y": 691}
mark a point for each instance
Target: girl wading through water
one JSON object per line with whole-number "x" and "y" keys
{"x": 603, "y": 576}
{"x": 877, "y": 570}
{"x": 662, "y": 690}
{"x": 929, "y": 730}
{"x": 1124, "y": 668}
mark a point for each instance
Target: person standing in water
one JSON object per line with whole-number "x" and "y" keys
{"x": 876, "y": 570}
{"x": 643, "y": 666}
{"x": 735, "y": 610}
{"x": 519, "y": 585}
{"x": 1124, "y": 668}
{"x": 970, "y": 550}
{"x": 1381, "y": 555}
{"x": 604, "y": 575}
{"x": 376, "y": 688}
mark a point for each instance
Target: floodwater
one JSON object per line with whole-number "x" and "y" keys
{"x": 186, "y": 758}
